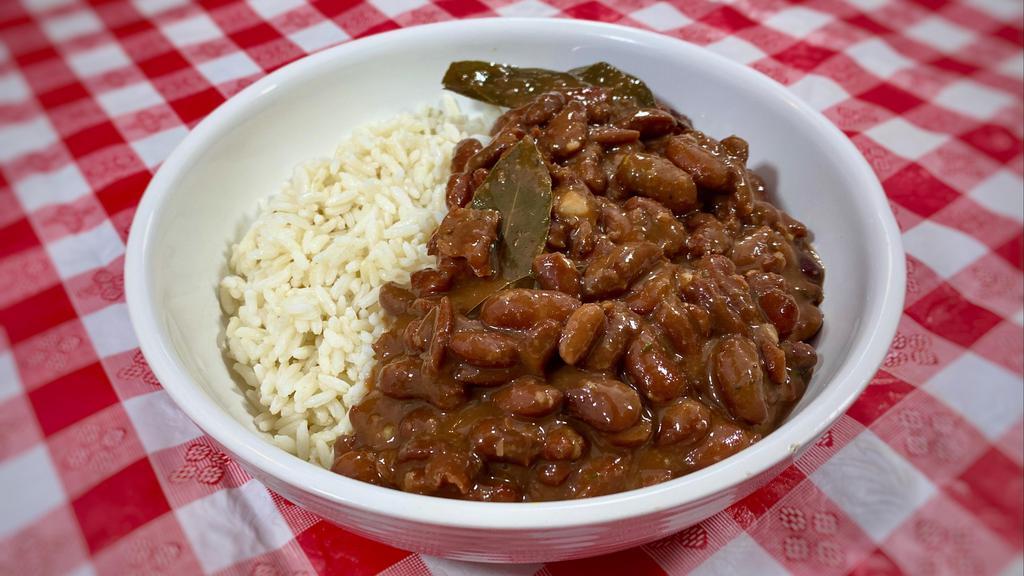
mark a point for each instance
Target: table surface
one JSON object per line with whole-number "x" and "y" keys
{"x": 102, "y": 474}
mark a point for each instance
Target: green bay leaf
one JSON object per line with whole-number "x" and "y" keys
{"x": 502, "y": 84}
{"x": 519, "y": 187}
{"x": 623, "y": 86}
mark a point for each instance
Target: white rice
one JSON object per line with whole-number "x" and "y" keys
{"x": 301, "y": 294}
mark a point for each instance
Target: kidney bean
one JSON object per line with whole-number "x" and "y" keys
{"x": 707, "y": 170}
{"x": 774, "y": 359}
{"x": 389, "y": 345}
{"x": 441, "y": 335}
{"x": 704, "y": 293}
{"x": 419, "y": 422}
{"x": 394, "y": 299}
{"x": 528, "y": 396}
{"x": 359, "y": 465}
{"x": 467, "y": 233}
{"x": 612, "y": 273}
{"x": 761, "y": 282}
{"x": 653, "y": 370}
{"x": 811, "y": 267}
{"x": 743, "y": 192}
{"x": 615, "y": 222}
{"x": 459, "y": 191}
{"x": 613, "y": 135}
{"x": 454, "y": 469}
{"x": 417, "y": 333}
{"x": 808, "y": 323}
{"x": 520, "y": 308}
{"x": 736, "y": 372}
{"x": 554, "y": 271}
{"x": 479, "y": 376}
{"x": 464, "y": 150}
{"x": 595, "y": 98}
{"x": 723, "y": 440}
{"x": 586, "y": 166}
{"x": 539, "y": 344}
{"x": 648, "y": 292}
{"x": 581, "y": 240}
{"x": 606, "y": 404}
{"x": 558, "y": 235}
{"x": 554, "y": 473}
{"x": 507, "y": 440}
{"x": 684, "y": 421}
{"x": 780, "y": 309}
{"x": 737, "y": 148}
{"x": 657, "y": 178}
{"x": 563, "y": 443}
{"x": 762, "y": 248}
{"x": 611, "y": 345}
{"x": 580, "y": 331}
{"x": 707, "y": 236}
{"x": 603, "y": 474}
{"x": 430, "y": 281}
{"x": 403, "y": 379}
{"x": 500, "y": 144}
{"x": 635, "y": 435}
{"x": 419, "y": 448}
{"x": 724, "y": 294}
{"x": 800, "y": 355}
{"x": 477, "y": 177}
{"x": 796, "y": 228}
{"x": 686, "y": 326}
{"x": 544, "y": 108}
{"x": 567, "y": 131}
{"x": 494, "y": 492}
{"x": 656, "y": 224}
{"x": 485, "y": 348}
{"x": 610, "y": 164}
{"x": 650, "y": 122}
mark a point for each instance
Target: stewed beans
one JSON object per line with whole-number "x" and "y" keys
{"x": 661, "y": 326}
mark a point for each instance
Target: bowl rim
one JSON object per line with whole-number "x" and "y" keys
{"x": 852, "y": 377}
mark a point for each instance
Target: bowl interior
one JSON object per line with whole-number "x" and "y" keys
{"x": 245, "y": 151}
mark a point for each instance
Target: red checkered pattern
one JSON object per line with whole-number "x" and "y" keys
{"x": 101, "y": 474}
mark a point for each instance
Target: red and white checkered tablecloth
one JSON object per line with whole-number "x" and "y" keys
{"x": 101, "y": 474}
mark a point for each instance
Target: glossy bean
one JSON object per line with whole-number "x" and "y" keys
{"x": 520, "y": 308}
{"x": 611, "y": 345}
{"x": 685, "y": 325}
{"x": 554, "y": 271}
{"x": 707, "y": 170}
{"x": 528, "y": 396}
{"x": 464, "y": 150}
{"x": 485, "y": 348}
{"x": 657, "y": 178}
{"x": 563, "y": 442}
{"x": 567, "y": 131}
{"x": 653, "y": 370}
{"x": 507, "y": 440}
{"x": 580, "y": 332}
{"x": 737, "y": 375}
{"x": 606, "y": 404}
{"x": 684, "y": 421}
{"x": 613, "y": 272}
{"x": 539, "y": 344}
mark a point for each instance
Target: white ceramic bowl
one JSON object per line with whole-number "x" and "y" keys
{"x": 206, "y": 192}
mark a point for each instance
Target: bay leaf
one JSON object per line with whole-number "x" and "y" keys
{"x": 622, "y": 85}
{"x": 519, "y": 187}
{"x": 502, "y": 84}
{"x": 511, "y": 86}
